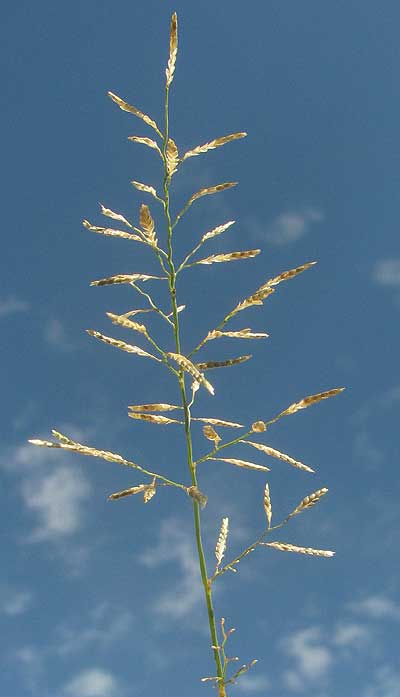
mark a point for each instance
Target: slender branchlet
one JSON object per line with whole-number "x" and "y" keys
{"x": 190, "y": 376}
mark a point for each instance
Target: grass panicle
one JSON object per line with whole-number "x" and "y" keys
{"x": 163, "y": 245}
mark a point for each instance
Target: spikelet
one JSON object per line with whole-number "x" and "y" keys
{"x": 149, "y": 491}
{"x": 153, "y": 407}
{"x": 255, "y": 299}
{"x": 242, "y": 463}
{"x": 285, "y": 547}
{"x": 267, "y": 505}
{"x": 239, "y": 334}
{"x": 132, "y": 110}
{"x": 230, "y": 256}
{"x": 132, "y": 313}
{"x": 127, "y": 323}
{"x": 223, "y": 364}
{"x": 258, "y": 427}
{"x": 190, "y": 368}
{"x": 153, "y": 418}
{"x": 173, "y": 49}
{"x": 145, "y": 187}
{"x": 128, "y": 492}
{"x": 178, "y": 309}
{"x": 115, "y": 216}
{"x": 222, "y": 538}
{"x": 122, "y": 345}
{"x": 197, "y": 496}
{"x": 147, "y": 225}
{"x": 217, "y": 422}
{"x": 280, "y": 456}
{"x": 309, "y": 501}
{"x": 110, "y": 232}
{"x": 146, "y": 141}
{"x": 216, "y": 143}
{"x": 211, "y": 434}
{"x": 210, "y": 190}
{"x": 286, "y": 275}
{"x": 312, "y": 399}
{"x": 217, "y": 230}
{"x": 62, "y": 438}
{"x": 172, "y": 157}
{"x": 124, "y": 278}
{"x": 74, "y": 446}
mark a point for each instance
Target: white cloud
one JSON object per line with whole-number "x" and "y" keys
{"x": 252, "y": 683}
{"x": 387, "y": 272}
{"x": 175, "y": 547}
{"x": 287, "y": 227}
{"x": 11, "y": 306}
{"x": 56, "y": 335}
{"x": 93, "y": 682}
{"x": 351, "y": 634}
{"x": 104, "y": 626}
{"x": 377, "y": 607}
{"x": 314, "y": 660}
{"x": 57, "y": 499}
{"x": 14, "y": 602}
{"x": 384, "y": 683}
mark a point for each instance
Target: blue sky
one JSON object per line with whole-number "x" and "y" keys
{"x": 102, "y": 598}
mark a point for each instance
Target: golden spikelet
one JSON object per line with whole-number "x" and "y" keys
{"x": 255, "y": 299}
{"x": 217, "y": 230}
{"x": 115, "y": 216}
{"x": 172, "y": 157}
{"x": 222, "y": 538}
{"x": 309, "y": 501}
{"x": 173, "y": 49}
{"x": 312, "y": 399}
{"x": 147, "y": 225}
{"x": 258, "y": 427}
{"x": 61, "y": 437}
{"x": 267, "y": 505}
{"x": 190, "y": 368}
{"x": 124, "y": 278}
{"x": 153, "y": 419}
{"x": 68, "y": 444}
{"x": 132, "y": 110}
{"x": 122, "y": 345}
{"x": 230, "y": 256}
{"x": 210, "y": 190}
{"x": 280, "y": 456}
{"x": 127, "y": 323}
{"x": 128, "y": 492}
{"x": 217, "y": 422}
{"x": 285, "y": 547}
{"x": 239, "y": 334}
{"x": 286, "y": 275}
{"x": 110, "y": 232}
{"x": 208, "y": 365}
{"x": 146, "y": 141}
{"x": 153, "y": 407}
{"x": 145, "y": 187}
{"x": 216, "y": 143}
{"x": 211, "y": 434}
{"x": 149, "y": 491}
{"x": 242, "y": 463}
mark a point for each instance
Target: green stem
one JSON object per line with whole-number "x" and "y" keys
{"x": 186, "y": 408}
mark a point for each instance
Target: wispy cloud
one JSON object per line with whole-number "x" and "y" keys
{"x": 377, "y": 607}
{"x": 92, "y": 682}
{"x": 56, "y": 335}
{"x": 351, "y": 634}
{"x": 11, "y": 306}
{"x": 175, "y": 546}
{"x": 288, "y": 227}
{"x": 14, "y": 602}
{"x": 386, "y": 272}
{"x": 384, "y": 682}
{"x": 313, "y": 658}
{"x": 253, "y": 683}
{"x": 57, "y": 500}
{"x": 104, "y": 626}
